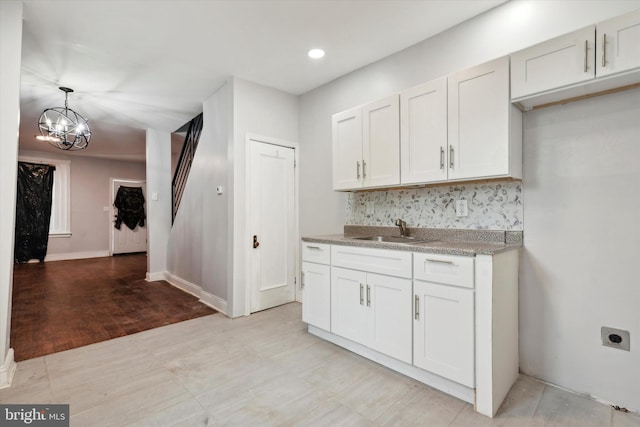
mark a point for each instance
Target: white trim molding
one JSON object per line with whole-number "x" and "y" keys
{"x": 214, "y": 302}
{"x": 155, "y": 276}
{"x": 205, "y": 297}
{"x": 7, "y": 370}
{"x": 76, "y": 255}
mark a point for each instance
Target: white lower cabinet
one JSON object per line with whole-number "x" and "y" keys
{"x": 316, "y": 285}
{"x": 443, "y": 331}
{"x": 448, "y": 321}
{"x": 316, "y": 296}
{"x": 372, "y": 310}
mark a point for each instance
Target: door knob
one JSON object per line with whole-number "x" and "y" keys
{"x": 255, "y": 242}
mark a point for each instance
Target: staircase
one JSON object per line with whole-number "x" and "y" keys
{"x": 184, "y": 162}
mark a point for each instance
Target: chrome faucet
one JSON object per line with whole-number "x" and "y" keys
{"x": 403, "y": 227}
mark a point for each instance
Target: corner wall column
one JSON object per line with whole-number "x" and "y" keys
{"x": 11, "y": 53}
{"x": 158, "y": 202}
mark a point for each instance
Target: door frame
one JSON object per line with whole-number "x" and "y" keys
{"x": 296, "y": 226}
{"x": 112, "y": 210}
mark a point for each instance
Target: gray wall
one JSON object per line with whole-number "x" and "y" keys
{"x": 560, "y": 306}
{"x": 90, "y": 193}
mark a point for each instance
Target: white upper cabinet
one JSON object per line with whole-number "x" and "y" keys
{"x": 618, "y": 44}
{"x": 423, "y": 133}
{"x": 598, "y": 58}
{"x": 559, "y": 62}
{"x": 366, "y": 146}
{"x": 485, "y": 130}
{"x": 381, "y": 143}
{"x": 347, "y": 149}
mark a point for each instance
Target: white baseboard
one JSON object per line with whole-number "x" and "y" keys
{"x": 153, "y": 277}
{"x": 188, "y": 287}
{"x": 7, "y": 369}
{"x": 75, "y": 255}
{"x": 450, "y": 387}
{"x": 205, "y": 297}
{"x": 214, "y": 302}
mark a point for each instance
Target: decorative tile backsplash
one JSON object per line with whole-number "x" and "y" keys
{"x": 492, "y": 206}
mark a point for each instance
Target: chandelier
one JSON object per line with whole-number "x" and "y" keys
{"x": 64, "y": 128}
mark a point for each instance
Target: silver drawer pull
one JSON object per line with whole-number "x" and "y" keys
{"x": 416, "y": 307}
{"x": 439, "y": 261}
{"x": 314, "y": 247}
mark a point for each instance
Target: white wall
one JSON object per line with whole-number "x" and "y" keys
{"x": 90, "y": 189}
{"x": 207, "y": 246}
{"x": 582, "y": 242}
{"x": 159, "y": 201}
{"x": 510, "y": 27}
{"x": 263, "y": 111}
{"x": 199, "y": 240}
{"x": 10, "y": 52}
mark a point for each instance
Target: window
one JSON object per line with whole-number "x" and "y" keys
{"x": 60, "y": 225}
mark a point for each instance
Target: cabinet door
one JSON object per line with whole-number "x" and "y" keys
{"x": 348, "y": 308}
{"x": 423, "y": 133}
{"x": 553, "y": 64}
{"x": 347, "y": 149}
{"x": 618, "y": 44}
{"x": 443, "y": 330}
{"x": 316, "y": 295}
{"x": 389, "y": 302}
{"x": 479, "y": 121}
{"x": 381, "y": 143}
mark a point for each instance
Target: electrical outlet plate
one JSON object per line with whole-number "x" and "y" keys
{"x": 461, "y": 208}
{"x": 616, "y": 338}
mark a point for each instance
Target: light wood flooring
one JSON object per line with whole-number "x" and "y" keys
{"x": 266, "y": 370}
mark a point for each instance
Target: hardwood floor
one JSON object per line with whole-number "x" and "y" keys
{"x": 67, "y": 304}
{"x": 266, "y": 370}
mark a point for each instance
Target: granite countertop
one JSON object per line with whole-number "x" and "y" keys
{"x": 439, "y": 241}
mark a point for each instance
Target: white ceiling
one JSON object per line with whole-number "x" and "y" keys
{"x": 150, "y": 64}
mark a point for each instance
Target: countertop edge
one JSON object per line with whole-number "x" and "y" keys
{"x": 436, "y": 247}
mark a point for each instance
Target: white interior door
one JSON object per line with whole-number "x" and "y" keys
{"x": 272, "y": 225}
{"x": 125, "y": 240}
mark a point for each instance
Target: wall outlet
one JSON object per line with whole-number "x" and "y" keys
{"x": 461, "y": 208}
{"x": 616, "y": 338}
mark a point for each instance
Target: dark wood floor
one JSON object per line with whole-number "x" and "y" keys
{"x": 67, "y": 304}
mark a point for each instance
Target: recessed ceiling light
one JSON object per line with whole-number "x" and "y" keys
{"x": 316, "y": 53}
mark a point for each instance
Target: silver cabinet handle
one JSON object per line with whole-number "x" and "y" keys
{"x": 358, "y": 169}
{"x": 586, "y": 48}
{"x": 416, "y": 307}
{"x": 441, "y": 157}
{"x": 302, "y": 280}
{"x": 439, "y": 261}
{"x": 317, "y": 248}
{"x": 364, "y": 169}
{"x": 451, "y": 156}
{"x": 361, "y": 294}
{"x": 604, "y": 50}
{"x": 368, "y": 296}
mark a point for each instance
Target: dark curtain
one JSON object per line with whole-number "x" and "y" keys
{"x": 130, "y": 204}
{"x": 33, "y": 211}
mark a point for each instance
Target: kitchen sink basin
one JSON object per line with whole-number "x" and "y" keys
{"x": 393, "y": 239}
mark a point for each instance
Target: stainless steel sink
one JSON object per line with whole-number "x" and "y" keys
{"x": 393, "y": 239}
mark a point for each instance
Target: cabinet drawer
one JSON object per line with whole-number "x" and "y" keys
{"x": 381, "y": 261}
{"x": 316, "y": 252}
{"x": 447, "y": 269}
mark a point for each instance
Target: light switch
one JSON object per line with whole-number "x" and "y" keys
{"x": 154, "y": 196}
